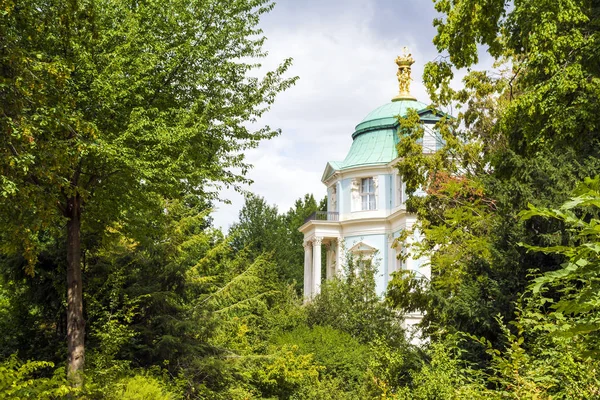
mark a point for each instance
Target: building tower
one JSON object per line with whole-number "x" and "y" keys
{"x": 366, "y": 208}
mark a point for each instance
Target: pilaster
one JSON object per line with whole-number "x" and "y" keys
{"x": 316, "y": 266}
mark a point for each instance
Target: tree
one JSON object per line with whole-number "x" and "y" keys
{"x": 526, "y": 132}
{"x": 291, "y": 253}
{"x": 110, "y": 107}
{"x": 261, "y": 229}
{"x": 574, "y": 313}
{"x": 350, "y": 303}
{"x": 258, "y": 226}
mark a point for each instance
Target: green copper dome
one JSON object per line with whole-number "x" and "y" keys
{"x": 386, "y": 116}
{"x": 375, "y": 137}
{"x": 375, "y": 147}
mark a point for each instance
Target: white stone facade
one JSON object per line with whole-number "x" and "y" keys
{"x": 367, "y": 200}
{"x": 353, "y": 226}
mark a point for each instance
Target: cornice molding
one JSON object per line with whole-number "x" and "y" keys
{"x": 362, "y": 171}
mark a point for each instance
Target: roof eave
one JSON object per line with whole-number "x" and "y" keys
{"x": 392, "y": 125}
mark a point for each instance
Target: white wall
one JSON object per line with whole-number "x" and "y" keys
{"x": 378, "y": 242}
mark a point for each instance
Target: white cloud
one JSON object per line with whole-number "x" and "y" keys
{"x": 345, "y": 62}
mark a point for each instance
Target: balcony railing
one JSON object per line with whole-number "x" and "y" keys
{"x": 323, "y": 216}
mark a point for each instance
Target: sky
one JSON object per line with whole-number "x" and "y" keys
{"x": 343, "y": 54}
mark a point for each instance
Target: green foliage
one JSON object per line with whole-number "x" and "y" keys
{"x": 532, "y": 365}
{"x": 257, "y": 227}
{"x": 110, "y": 334}
{"x": 141, "y": 387}
{"x": 261, "y": 229}
{"x": 535, "y": 363}
{"x": 342, "y": 356}
{"x": 32, "y": 323}
{"x": 324, "y": 389}
{"x": 445, "y": 376}
{"x": 350, "y": 304}
{"x": 550, "y": 352}
{"x": 575, "y": 311}
{"x": 285, "y": 373}
{"x": 389, "y": 368}
{"x": 111, "y": 108}
{"x": 22, "y": 380}
{"x": 525, "y": 132}
{"x": 243, "y": 305}
{"x": 140, "y": 111}
{"x": 113, "y": 100}
{"x": 139, "y": 298}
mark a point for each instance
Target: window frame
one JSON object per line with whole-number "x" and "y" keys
{"x": 400, "y": 192}
{"x": 368, "y": 200}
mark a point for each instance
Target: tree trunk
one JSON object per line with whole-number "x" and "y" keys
{"x": 75, "y": 322}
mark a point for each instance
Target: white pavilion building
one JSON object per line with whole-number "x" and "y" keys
{"x": 366, "y": 208}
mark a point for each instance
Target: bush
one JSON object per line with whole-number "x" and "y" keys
{"x": 285, "y": 373}
{"x": 324, "y": 389}
{"x": 18, "y": 380}
{"x": 342, "y": 356}
{"x": 351, "y": 304}
{"x": 140, "y": 387}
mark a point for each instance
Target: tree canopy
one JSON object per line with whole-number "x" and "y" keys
{"x": 110, "y": 108}
{"x": 120, "y": 121}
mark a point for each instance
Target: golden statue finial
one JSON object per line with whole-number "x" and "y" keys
{"x": 404, "y": 62}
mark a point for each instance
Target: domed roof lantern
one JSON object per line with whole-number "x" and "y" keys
{"x": 375, "y": 138}
{"x": 404, "y": 61}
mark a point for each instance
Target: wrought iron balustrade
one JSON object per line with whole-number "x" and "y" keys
{"x": 323, "y": 216}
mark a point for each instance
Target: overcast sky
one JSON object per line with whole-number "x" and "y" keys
{"x": 344, "y": 54}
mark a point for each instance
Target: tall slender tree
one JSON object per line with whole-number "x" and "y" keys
{"x": 110, "y": 105}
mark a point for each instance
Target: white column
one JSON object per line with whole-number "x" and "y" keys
{"x": 339, "y": 257}
{"x": 307, "y": 270}
{"x": 328, "y": 261}
{"x": 316, "y": 267}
